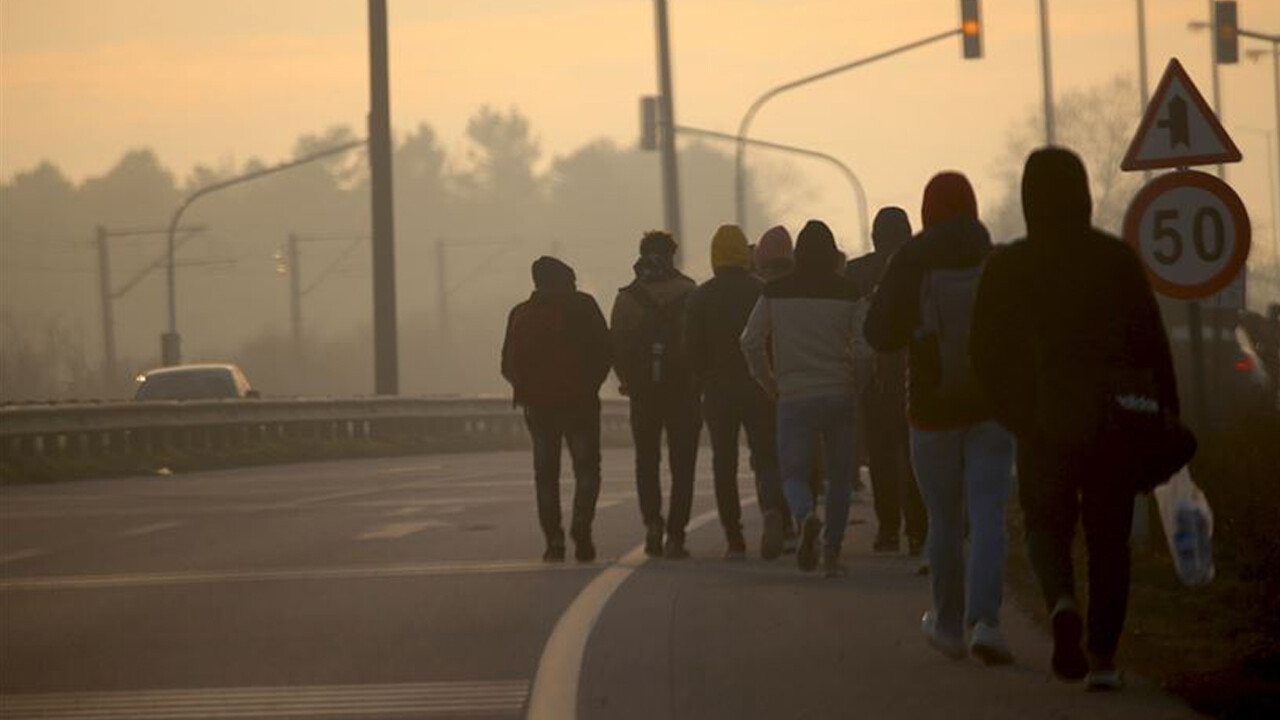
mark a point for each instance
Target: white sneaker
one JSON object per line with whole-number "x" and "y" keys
{"x": 951, "y": 647}
{"x": 987, "y": 644}
{"x": 1109, "y": 679}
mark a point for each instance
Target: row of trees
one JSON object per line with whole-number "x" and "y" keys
{"x": 486, "y": 214}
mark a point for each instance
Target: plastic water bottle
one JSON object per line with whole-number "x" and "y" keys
{"x": 1192, "y": 544}
{"x": 659, "y": 349}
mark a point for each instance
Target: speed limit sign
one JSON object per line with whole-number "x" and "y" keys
{"x": 1191, "y": 231}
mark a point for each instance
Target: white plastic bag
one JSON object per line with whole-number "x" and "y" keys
{"x": 1188, "y": 527}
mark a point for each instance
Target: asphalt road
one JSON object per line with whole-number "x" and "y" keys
{"x": 411, "y": 587}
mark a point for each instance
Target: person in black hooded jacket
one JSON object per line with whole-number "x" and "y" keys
{"x": 556, "y": 355}
{"x": 1057, "y": 314}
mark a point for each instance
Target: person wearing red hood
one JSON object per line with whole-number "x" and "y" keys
{"x": 963, "y": 458}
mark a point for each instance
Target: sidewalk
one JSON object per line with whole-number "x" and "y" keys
{"x": 708, "y": 638}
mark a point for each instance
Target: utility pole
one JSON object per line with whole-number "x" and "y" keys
{"x": 294, "y": 260}
{"x": 109, "y": 363}
{"x": 442, "y": 292}
{"x": 1050, "y": 136}
{"x": 385, "y": 347}
{"x": 670, "y": 171}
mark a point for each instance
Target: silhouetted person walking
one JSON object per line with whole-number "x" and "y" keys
{"x": 648, "y": 330}
{"x": 884, "y": 405}
{"x": 800, "y": 346}
{"x": 963, "y": 458}
{"x": 556, "y": 355}
{"x": 1061, "y": 316}
{"x": 731, "y": 398}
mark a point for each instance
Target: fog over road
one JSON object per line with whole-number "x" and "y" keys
{"x": 411, "y": 587}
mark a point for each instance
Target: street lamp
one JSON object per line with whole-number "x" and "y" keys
{"x": 859, "y": 192}
{"x": 170, "y": 348}
{"x": 744, "y": 127}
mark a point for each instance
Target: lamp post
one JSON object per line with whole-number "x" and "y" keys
{"x": 170, "y": 349}
{"x": 670, "y": 171}
{"x": 744, "y": 127}
{"x": 860, "y": 194}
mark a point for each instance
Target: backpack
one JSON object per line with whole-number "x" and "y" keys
{"x": 549, "y": 367}
{"x": 946, "y": 313}
{"x": 657, "y": 357}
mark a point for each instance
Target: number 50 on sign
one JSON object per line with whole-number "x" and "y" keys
{"x": 1191, "y": 232}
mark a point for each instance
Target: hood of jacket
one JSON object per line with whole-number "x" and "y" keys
{"x": 947, "y": 195}
{"x": 773, "y": 249}
{"x": 552, "y": 275}
{"x": 1055, "y": 194}
{"x": 890, "y": 230}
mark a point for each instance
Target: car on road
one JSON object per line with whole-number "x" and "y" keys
{"x": 205, "y": 381}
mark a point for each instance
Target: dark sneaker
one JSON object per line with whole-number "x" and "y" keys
{"x": 584, "y": 549}
{"x": 675, "y": 549}
{"x": 772, "y": 539}
{"x": 915, "y": 546}
{"x": 554, "y": 553}
{"x": 807, "y": 553}
{"x": 886, "y": 545}
{"x": 1069, "y": 663}
{"x": 653, "y": 540}
{"x": 735, "y": 546}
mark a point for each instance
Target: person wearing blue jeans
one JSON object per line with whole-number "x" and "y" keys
{"x": 800, "y": 344}
{"x": 965, "y": 469}
{"x": 800, "y": 423}
{"x": 963, "y": 460}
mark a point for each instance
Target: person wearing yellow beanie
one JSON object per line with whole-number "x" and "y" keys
{"x": 731, "y": 399}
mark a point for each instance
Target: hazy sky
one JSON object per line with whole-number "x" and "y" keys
{"x": 214, "y": 80}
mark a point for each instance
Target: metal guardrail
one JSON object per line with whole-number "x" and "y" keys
{"x": 217, "y": 426}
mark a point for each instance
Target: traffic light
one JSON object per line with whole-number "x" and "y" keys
{"x": 1226, "y": 35}
{"x": 971, "y": 27}
{"x": 649, "y": 122}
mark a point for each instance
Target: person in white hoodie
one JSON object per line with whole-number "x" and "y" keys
{"x": 800, "y": 344}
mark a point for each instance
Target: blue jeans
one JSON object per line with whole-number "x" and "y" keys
{"x": 969, "y": 469}
{"x": 800, "y": 423}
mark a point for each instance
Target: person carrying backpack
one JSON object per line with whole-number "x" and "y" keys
{"x": 648, "y": 333}
{"x": 963, "y": 458}
{"x": 556, "y": 355}
{"x": 731, "y": 398}
{"x": 1065, "y": 327}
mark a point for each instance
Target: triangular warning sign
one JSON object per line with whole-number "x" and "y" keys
{"x": 1178, "y": 129}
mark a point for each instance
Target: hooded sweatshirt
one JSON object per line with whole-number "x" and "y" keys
{"x": 579, "y": 326}
{"x": 809, "y": 318}
{"x": 1060, "y": 311}
{"x": 718, "y": 312}
{"x": 952, "y": 238}
{"x": 773, "y": 255}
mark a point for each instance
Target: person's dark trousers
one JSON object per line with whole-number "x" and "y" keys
{"x": 728, "y": 407}
{"x": 578, "y": 425}
{"x": 678, "y": 414}
{"x": 1055, "y": 493}
{"x": 893, "y": 482}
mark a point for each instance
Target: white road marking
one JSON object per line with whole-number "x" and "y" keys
{"x": 93, "y": 582}
{"x": 402, "y": 699}
{"x": 410, "y": 469}
{"x": 152, "y": 528}
{"x": 607, "y": 504}
{"x": 392, "y": 531}
{"x": 23, "y": 555}
{"x": 555, "y": 684}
